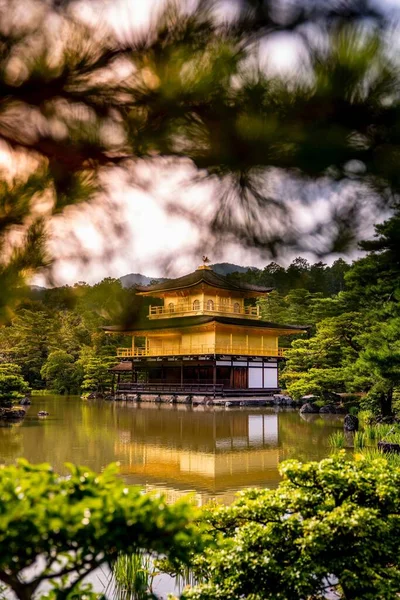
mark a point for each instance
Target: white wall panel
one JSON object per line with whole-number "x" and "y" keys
{"x": 270, "y": 377}
{"x": 255, "y": 378}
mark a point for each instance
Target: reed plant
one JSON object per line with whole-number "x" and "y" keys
{"x": 186, "y": 578}
{"x": 337, "y": 440}
{"x": 132, "y": 577}
{"x": 359, "y": 440}
{"x": 392, "y": 436}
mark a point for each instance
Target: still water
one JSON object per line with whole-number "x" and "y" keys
{"x": 210, "y": 451}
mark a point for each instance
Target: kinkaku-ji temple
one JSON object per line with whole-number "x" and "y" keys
{"x": 207, "y": 337}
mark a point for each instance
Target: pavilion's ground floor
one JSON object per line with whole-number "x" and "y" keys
{"x": 197, "y": 374}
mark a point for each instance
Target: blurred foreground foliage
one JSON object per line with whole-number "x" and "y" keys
{"x": 330, "y": 527}
{"x": 80, "y": 101}
{"x": 56, "y": 530}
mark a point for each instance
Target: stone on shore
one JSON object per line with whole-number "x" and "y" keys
{"x": 199, "y": 400}
{"x": 350, "y": 423}
{"x": 388, "y": 448}
{"x": 328, "y": 409}
{"x": 12, "y": 414}
{"x": 309, "y": 408}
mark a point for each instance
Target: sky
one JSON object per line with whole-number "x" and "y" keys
{"x": 132, "y": 229}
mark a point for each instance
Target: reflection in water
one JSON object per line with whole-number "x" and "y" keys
{"x": 211, "y": 451}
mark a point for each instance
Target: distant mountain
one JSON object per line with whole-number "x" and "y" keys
{"x": 139, "y": 279}
{"x": 227, "y": 268}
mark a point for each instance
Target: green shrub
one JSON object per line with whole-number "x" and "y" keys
{"x": 76, "y": 523}
{"x": 329, "y": 526}
{"x": 12, "y": 384}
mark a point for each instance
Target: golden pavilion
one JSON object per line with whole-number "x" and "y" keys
{"x": 206, "y": 336}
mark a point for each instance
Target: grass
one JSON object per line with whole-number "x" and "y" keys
{"x": 366, "y": 440}
{"x": 337, "y": 440}
{"x": 132, "y": 576}
{"x": 359, "y": 440}
{"x": 373, "y": 453}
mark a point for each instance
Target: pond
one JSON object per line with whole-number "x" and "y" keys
{"x": 210, "y": 451}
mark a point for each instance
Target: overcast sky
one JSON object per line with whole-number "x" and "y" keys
{"x": 132, "y": 230}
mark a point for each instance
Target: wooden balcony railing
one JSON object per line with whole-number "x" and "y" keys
{"x": 178, "y": 350}
{"x": 203, "y": 308}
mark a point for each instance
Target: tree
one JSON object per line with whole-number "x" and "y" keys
{"x": 12, "y": 384}
{"x": 61, "y": 373}
{"x": 27, "y": 342}
{"x": 96, "y": 375}
{"x": 374, "y": 283}
{"x": 323, "y": 363}
{"x": 329, "y": 527}
{"x": 69, "y": 526}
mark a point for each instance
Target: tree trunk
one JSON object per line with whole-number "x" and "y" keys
{"x": 386, "y": 403}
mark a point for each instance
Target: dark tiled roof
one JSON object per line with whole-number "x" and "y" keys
{"x": 178, "y": 322}
{"x": 122, "y": 366}
{"x": 202, "y": 276}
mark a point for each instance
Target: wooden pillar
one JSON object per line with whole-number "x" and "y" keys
{"x": 132, "y": 373}
{"x": 113, "y": 383}
{"x": 181, "y": 374}
{"x": 214, "y": 374}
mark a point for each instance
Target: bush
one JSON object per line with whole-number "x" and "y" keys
{"x": 331, "y": 526}
{"x": 12, "y": 384}
{"x": 76, "y": 523}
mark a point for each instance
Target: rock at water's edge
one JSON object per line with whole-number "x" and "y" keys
{"x": 328, "y": 409}
{"x": 387, "y": 447}
{"x": 350, "y": 423}
{"x": 12, "y": 414}
{"x": 309, "y": 408}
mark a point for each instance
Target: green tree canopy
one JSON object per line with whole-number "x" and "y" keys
{"x": 61, "y": 373}
{"x": 330, "y": 527}
{"x": 12, "y": 384}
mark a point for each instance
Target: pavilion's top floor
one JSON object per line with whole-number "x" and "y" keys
{"x": 203, "y": 292}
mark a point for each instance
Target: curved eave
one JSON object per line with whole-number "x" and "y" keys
{"x": 175, "y": 324}
{"x": 245, "y": 292}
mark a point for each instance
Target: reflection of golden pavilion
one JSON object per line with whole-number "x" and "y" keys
{"x": 208, "y": 332}
{"x": 213, "y": 453}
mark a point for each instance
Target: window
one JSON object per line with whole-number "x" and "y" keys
{"x": 236, "y": 307}
{"x": 171, "y": 307}
{"x": 210, "y": 305}
{"x": 196, "y": 305}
